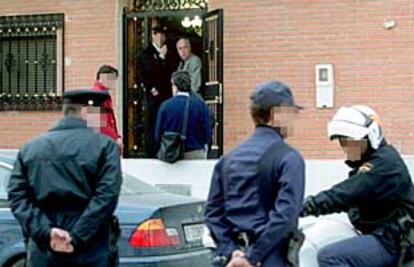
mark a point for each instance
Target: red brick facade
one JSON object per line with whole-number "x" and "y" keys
{"x": 284, "y": 40}
{"x": 89, "y": 40}
{"x": 266, "y": 39}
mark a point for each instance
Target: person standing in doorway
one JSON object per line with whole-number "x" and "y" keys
{"x": 155, "y": 76}
{"x": 190, "y": 63}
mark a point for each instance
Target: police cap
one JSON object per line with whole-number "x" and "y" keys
{"x": 160, "y": 29}
{"x": 273, "y": 94}
{"x": 85, "y": 97}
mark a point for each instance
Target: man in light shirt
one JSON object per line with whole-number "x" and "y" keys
{"x": 190, "y": 63}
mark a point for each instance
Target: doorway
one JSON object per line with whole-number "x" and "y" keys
{"x": 204, "y": 30}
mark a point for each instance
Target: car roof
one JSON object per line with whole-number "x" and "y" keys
{"x": 8, "y": 156}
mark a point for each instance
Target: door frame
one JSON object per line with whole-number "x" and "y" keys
{"x": 145, "y": 16}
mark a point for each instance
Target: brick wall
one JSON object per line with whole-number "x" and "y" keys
{"x": 89, "y": 42}
{"x": 274, "y": 39}
{"x": 266, "y": 39}
{"x": 18, "y": 127}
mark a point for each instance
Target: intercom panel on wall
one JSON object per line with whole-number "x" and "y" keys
{"x": 324, "y": 85}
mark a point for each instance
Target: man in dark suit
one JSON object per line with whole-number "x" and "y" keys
{"x": 155, "y": 73}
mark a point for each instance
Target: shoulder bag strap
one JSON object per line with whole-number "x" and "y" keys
{"x": 185, "y": 121}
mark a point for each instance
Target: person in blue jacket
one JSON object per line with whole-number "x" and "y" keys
{"x": 170, "y": 117}
{"x": 64, "y": 188}
{"x": 257, "y": 189}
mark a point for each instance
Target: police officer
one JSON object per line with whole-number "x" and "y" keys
{"x": 377, "y": 194}
{"x": 256, "y": 190}
{"x": 64, "y": 188}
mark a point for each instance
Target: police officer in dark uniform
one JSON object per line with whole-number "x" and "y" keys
{"x": 377, "y": 195}
{"x": 64, "y": 188}
{"x": 257, "y": 189}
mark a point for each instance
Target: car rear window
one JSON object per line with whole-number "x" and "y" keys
{"x": 4, "y": 179}
{"x": 133, "y": 185}
{"x": 130, "y": 185}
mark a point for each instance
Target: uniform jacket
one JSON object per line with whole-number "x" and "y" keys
{"x": 155, "y": 74}
{"x": 108, "y": 121}
{"x": 378, "y": 192}
{"x": 171, "y": 116}
{"x": 68, "y": 178}
{"x": 258, "y": 187}
{"x": 193, "y": 66}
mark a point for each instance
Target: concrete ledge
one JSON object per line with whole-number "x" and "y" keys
{"x": 320, "y": 174}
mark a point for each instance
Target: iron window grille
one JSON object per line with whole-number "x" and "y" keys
{"x": 31, "y": 68}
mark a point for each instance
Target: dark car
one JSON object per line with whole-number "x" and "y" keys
{"x": 158, "y": 229}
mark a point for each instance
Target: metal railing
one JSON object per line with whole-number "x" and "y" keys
{"x": 31, "y": 53}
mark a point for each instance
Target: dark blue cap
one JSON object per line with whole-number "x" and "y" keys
{"x": 160, "y": 29}
{"x": 273, "y": 94}
{"x": 85, "y": 97}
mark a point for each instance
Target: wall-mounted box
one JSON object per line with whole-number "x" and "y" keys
{"x": 324, "y": 80}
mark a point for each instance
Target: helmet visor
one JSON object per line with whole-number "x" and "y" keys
{"x": 347, "y": 129}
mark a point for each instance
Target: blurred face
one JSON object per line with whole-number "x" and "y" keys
{"x": 183, "y": 49}
{"x": 108, "y": 80}
{"x": 285, "y": 118}
{"x": 158, "y": 38}
{"x": 174, "y": 89}
{"x": 92, "y": 116}
{"x": 354, "y": 149}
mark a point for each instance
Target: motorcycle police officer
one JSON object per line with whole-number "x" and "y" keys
{"x": 377, "y": 194}
{"x": 257, "y": 189}
{"x": 64, "y": 188}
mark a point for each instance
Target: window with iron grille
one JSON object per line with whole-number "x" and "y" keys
{"x": 31, "y": 53}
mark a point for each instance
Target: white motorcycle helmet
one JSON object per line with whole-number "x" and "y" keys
{"x": 356, "y": 122}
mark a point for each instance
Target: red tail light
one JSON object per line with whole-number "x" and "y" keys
{"x": 152, "y": 233}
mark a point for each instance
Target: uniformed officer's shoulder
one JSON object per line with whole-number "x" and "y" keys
{"x": 26, "y": 147}
{"x": 34, "y": 146}
{"x": 104, "y": 139}
{"x": 387, "y": 157}
{"x": 391, "y": 151}
{"x": 385, "y": 154}
{"x": 222, "y": 159}
{"x": 35, "y": 142}
{"x": 292, "y": 155}
{"x": 291, "y": 151}
{"x": 226, "y": 160}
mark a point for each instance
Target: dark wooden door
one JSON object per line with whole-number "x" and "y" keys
{"x": 213, "y": 75}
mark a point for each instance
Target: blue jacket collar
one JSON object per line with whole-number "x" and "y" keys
{"x": 187, "y": 94}
{"x": 267, "y": 130}
{"x": 69, "y": 123}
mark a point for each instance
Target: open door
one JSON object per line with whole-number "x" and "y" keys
{"x": 137, "y": 25}
{"x": 213, "y": 75}
{"x": 134, "y": 108}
